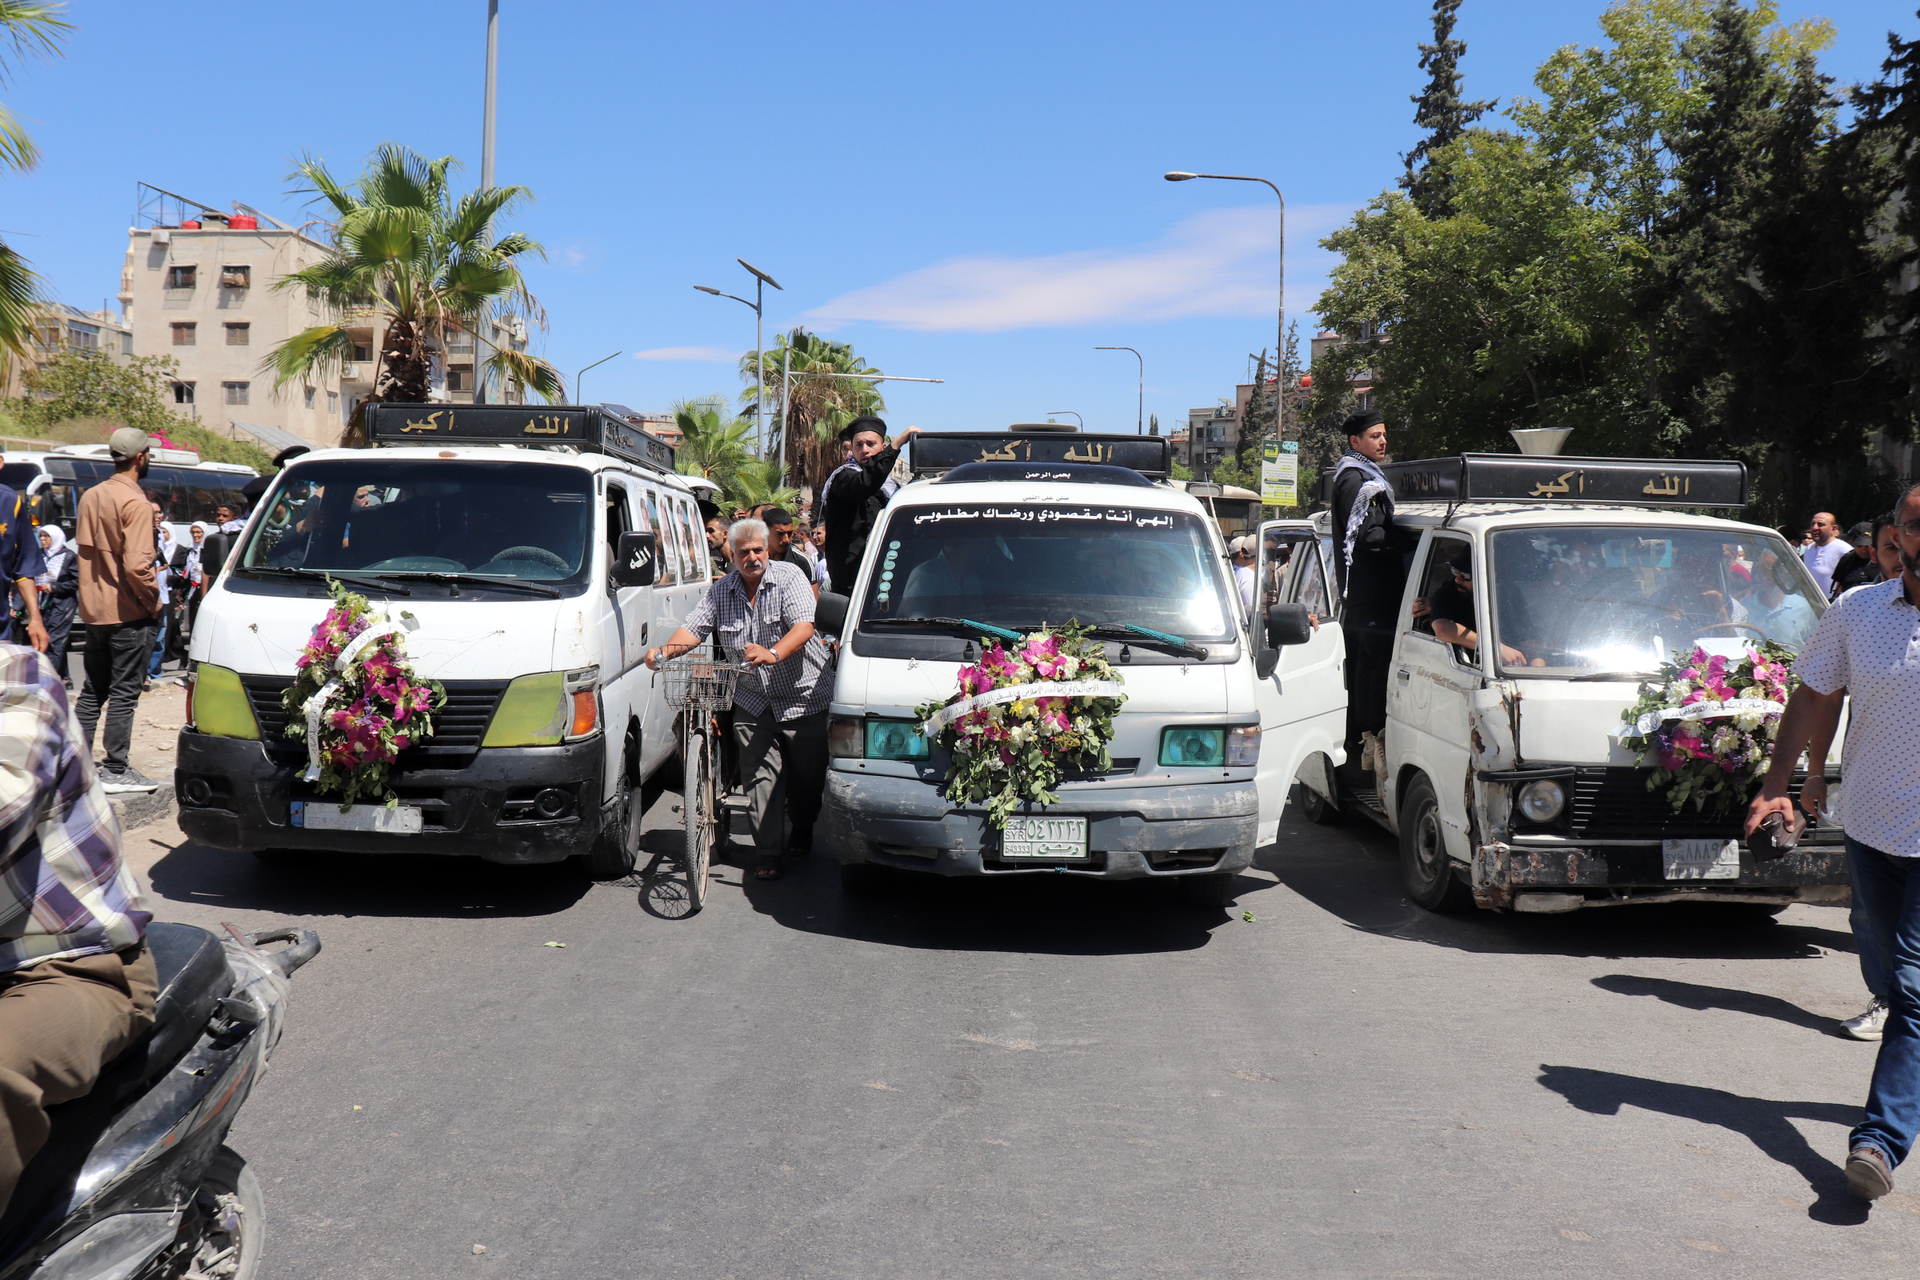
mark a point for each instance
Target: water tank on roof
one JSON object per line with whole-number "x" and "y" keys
{"x": 243, "y": 222}
{"x": 191, "y": 224}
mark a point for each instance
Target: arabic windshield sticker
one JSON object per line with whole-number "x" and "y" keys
{"x": 1046, "y": 515}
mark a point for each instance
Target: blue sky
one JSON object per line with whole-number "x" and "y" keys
{"x": 969, "y": 192}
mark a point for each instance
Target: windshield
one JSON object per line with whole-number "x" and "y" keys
{"x": 1025, "y": 564}
{"x": 525, "y": 520}
{"x": 1574, "y": 599}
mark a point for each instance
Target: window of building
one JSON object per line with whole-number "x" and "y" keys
{"x": 126, "y": 344}
{"x": 236, "y": 277}
{"x": 185, "y": 333}
{"x": 456, "y": 380}
{"x": 236, "y": 392}
{"x": 362, "y": 353}
{"x": 309, "y": 397}
{"x": 180, "y": 277}
{"x": 333, "y": 402}
{"x": 84, "y": 336}
{"x": 239, "y": 335}
{"x": 183, "y": 393}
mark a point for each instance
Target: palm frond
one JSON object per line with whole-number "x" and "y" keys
{"x": 314, "y": 353}
{"x": 531, "y": 372}
{"x": 30, "y": 28}
{"x": 20, "y": 305}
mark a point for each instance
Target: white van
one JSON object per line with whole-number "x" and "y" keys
{"x": 1507, "y": 781}
{"x": 189, "y": 489}
{"x": 1026, "y": 529}
{"x": 540, "y": 550}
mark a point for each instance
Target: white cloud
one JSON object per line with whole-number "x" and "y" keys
{"x": 574, "y": 255}
{"x": 1219, "y": 263}
{"x": 705, "y": 355}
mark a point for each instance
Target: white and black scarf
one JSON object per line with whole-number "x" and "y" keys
{"x": 1374, "y": 486}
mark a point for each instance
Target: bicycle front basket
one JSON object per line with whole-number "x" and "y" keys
{"x": 696, "y": 681}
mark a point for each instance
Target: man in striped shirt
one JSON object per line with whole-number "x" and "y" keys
{"x": 77, "y": 982}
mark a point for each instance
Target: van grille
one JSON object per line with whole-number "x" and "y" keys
{"x": 457, "y": 729}
{"x": 1614, "y": 804}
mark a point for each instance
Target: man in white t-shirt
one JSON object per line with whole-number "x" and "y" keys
{"x": 1825, "y": 551}
{"x": 1867, "y": 646}
{"x": 1242, "y": 550}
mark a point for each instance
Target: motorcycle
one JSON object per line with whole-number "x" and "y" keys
{"x": 136, "y": 1182}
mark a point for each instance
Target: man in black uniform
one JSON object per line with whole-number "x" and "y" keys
{"x": 856, "y": 492}
{"x": 1455, "y": 621}
{"x": 1367, "y": 562}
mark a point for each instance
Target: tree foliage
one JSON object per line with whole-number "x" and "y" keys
{"x": 81, "y": 396}
{"x": 28, "y": 28}
{"x": 820, "y": 399}
{"x": 1440, "y": 111}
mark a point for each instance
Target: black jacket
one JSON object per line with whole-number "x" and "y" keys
{"x": 1377, "y": 576}
{"x": 1854, "y": 571}
{"x": 853, "y": 503}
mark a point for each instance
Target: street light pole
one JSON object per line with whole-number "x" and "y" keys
{"x": 1140, "y": 410}
{"x": 760, "y": 279}
{"x": 484, "y": 338}
{"x": 1280, "y": 343}
{"x": 577, "y": 397}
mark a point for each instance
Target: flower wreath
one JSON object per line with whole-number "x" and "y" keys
{"x": 1012, "y": 737}
{"x": 356, "y": 700}
{"x": 1719, "y": 762}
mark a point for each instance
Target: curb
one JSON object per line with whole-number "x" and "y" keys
{"x": 138, "y": 808}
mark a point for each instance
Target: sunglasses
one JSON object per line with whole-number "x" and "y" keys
{"x": 1910, "y": 529}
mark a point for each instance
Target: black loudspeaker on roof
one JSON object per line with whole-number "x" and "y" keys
{"x": 589, "y": 428}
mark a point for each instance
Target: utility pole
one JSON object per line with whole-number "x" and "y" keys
{"x": 483, "y": 339}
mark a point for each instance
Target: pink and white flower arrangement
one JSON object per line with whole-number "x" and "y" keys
{"x": 1718, "y": 753}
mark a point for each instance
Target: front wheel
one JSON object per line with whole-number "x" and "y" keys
{"x": 699, "y": 810}
{"x": 1317, "y": 809}
{"x": 617, "y": 849}
{"x": 226, "y": 1231}
{"x": 1426, "y": 868}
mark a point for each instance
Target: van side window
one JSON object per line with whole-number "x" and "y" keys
{"x": 1310, "y": 584}
{"x": 618, "y": 521}
{"x": 669, "y": 572}
{"x": 1439, "y": 592}
{"x": 684, "y": 519}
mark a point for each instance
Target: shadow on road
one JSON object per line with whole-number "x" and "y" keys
{"x": 1762, "y": 1121}
{"x": 324, "y": 884}
{"x": 1353, "y": 872}
{"x": 1695, "y": 996}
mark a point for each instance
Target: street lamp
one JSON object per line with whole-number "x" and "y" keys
{"x": 1140, "y": 410}
{"x": 577, "y": 397}
{"x": 1280, "y": 343}
{"x": 1076, "y": 417}
{"x": 760, "y": 279}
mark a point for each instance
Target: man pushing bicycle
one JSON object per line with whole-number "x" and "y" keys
{"x": 763, "y": 615}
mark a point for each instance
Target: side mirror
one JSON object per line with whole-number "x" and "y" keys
{"x": 1264, "y": 661}
{"x": 1288, "y": 624}
{"x": 830, "y": 614}
{"x": 635, "y": 560}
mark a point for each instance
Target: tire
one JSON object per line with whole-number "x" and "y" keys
{"x": 1317, "y": 809}
{"x": 1426, "y": 868}
{"x": 229, "y": 1194}
{"x": 699, "y": 812}
{"x": 617, "y": 850}
{"x": 1215, "y": 890}
{"x": 863, "y": 879}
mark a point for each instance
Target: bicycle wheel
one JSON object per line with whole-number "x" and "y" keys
{"x": 698, "y": 808}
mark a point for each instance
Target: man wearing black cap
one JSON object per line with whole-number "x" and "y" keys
{"x": 1367, "y": 564}
{"x": 1859, "y": 567}
{"x": 853, "y": 496}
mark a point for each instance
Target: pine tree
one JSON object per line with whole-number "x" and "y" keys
{"x": 1439, "y": 111}
{"x": 1889, "y": 132}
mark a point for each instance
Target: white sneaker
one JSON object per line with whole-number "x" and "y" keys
{"x": 125, "y": 781}
{"x": 1869, "y": 1025}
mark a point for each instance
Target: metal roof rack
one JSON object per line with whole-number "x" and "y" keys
{"x": 1551, "y": 480}
{"x": 586, "y": 428}
{"x": 932, "y": 453}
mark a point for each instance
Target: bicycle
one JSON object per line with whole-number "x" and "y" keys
{"x": 699, "y": 685}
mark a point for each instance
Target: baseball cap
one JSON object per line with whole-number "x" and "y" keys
{"x": 128, "y": 441}
{"x": 1239, "y": 544}
{"x": 1862, "y": 532}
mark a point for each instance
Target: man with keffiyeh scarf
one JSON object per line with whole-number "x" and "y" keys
{"x": 1367, "y": 563}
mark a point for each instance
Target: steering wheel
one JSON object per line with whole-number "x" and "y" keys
{"x": 539, "y": 555}
{"x": 1759, "y": 633}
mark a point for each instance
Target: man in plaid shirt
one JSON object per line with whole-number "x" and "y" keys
{"x": 763, "y": 614}
{"x": 77, "y": 983}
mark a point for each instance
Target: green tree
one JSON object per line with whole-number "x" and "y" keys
{"x": 713, "y": 443}
{"x": 757, "y": 481}
{"x": 820, "y": 403}
{"x": 27, "y": 28}
{"x": 82, "y": 395}
{"x": 1890, "y": 129}
{"x": 1440, "y": 111}
{"x": 410, "y": 254}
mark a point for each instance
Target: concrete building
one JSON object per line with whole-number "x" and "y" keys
{"x": 65, "y": 328}
{"x": 200, "y": 289}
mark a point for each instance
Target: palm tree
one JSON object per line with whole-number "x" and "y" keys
{"x": 757, "y": 481}
{"x": 713, "y": 443}
{"x": 406, "y": 251}
{"x": 819, "y": 404}
{"x": 27, "y": 27}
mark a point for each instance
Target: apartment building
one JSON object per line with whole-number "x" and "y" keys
{"x": 65, "y": 328}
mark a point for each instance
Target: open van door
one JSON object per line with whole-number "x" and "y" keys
{"x": 1302, "y": 689}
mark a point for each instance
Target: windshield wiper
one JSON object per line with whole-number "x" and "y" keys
{"x": 1145, "y": 635}
{"x": 966, "y": 626}
{"x": 480, "y": 580}
{"x": 379, "y": 582}
{"x": 1613, "y": 675}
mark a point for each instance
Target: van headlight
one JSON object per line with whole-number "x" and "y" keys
{"x": 1541, "y": 800}
{"x": 1181, "y": 746}
{"x": 546, "y": 710}
{"x": 217, "y": 704}
{"x": 854, "y": 738}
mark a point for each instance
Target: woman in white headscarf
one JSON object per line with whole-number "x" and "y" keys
{"x": 60, "y": 596}
{"x": 195, "y": 571}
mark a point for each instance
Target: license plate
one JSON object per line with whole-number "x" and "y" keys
{"x": 402, "y": 820}
{"x": 1701, "y": 859}
{"x": 1052, "y": 838}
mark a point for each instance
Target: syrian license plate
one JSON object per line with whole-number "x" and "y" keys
{"x": 1701, "y": 859}
{"x": 309, "y": 815}
{"x": 1050, "y": 838}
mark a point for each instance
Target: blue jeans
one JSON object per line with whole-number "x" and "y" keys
{"x": 159, "y": 646}
{"x": 1870, "y": 945}
{"x": 1886, "y": 892}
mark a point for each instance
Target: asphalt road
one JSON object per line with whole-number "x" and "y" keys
{"x": 1041, "y": 1078}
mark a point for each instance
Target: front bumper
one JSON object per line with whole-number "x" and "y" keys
{"x": 480, "y": 809}
{"x": 1567, "y": 877}
{"x": 1134, "y": 832}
